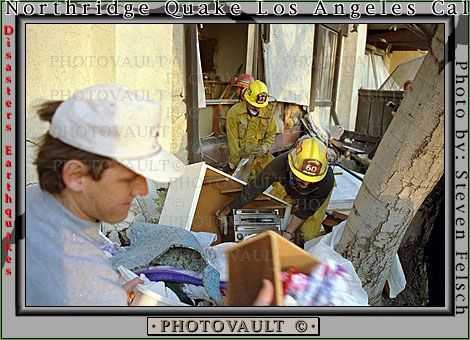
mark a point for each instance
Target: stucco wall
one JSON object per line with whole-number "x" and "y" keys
{"x": 61, "y": 59}
{"x": 179, "y": 140}
{"x": 350, "y": 78}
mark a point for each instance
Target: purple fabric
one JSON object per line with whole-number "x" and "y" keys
{"x": 171, "y": 274}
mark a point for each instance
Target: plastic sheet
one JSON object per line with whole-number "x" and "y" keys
{"x": 216, "y": 257}
{"x": 151, "y": 293}
{"x": 323, "y": 248}
{"x": 327, "y": 285}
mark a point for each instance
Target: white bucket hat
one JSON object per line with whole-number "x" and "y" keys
{"x": 112, "y": 121}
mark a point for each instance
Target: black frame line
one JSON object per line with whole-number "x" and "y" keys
{"x": 20, "y": 223}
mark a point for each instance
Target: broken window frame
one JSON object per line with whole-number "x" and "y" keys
{"x": 325, "y": 97}
{"x": 192, "y": 95}
{"x": 249, "y": 62}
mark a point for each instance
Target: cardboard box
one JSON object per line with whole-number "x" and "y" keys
{"x": 264, "y": 256}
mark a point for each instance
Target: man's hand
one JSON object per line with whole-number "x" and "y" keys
{"x": 265, "y": 295}
{"x": 222, "y": 219}
{"x": 129, "y": 286}
{"x": 256, "y": 152}
{"x": 293, "y": 225}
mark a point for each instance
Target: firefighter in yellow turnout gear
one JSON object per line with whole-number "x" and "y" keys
{"x": 307, "y": 182}
{"x": 315, "y": 152}
{"x": 251, "y": 128}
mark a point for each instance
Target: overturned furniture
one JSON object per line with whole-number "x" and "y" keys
{"x": 194, "y": 198}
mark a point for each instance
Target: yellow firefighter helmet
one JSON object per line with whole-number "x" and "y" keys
{"x": 308, "y": 160}
{"x": 257, "y": 94}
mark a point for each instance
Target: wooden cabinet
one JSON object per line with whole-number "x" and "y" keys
{"x": 195, "y": 197}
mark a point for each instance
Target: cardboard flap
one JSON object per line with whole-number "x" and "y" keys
{"x": 263, "y": 257}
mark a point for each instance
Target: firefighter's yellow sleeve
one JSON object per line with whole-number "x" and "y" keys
{"x": 232, "y": 137}
{"x": 268, "y": 140}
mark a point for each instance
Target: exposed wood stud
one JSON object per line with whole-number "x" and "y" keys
{"x": 215, "y": 180}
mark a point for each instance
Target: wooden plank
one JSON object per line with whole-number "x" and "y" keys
{"x": 386, "y": 119}
{"x": 211, "y": 201}
{"x": 363, "y": 108}
{"x": 230, "y": 191}
{"x": 212, "y": 172}
{"x": 370, "y": 100}
{"x": 182, "y": 197}
{"x": 257, "y": 57}
{"x": 236, "y": 191}
{"x": 194, "y": 147}
{"x": 221, "y": 101}
{"x": 250, "y": 48}
{"x": 375, "y": 117}
{"x": 216, "y": 180}
{"x": 336, "y": 73}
